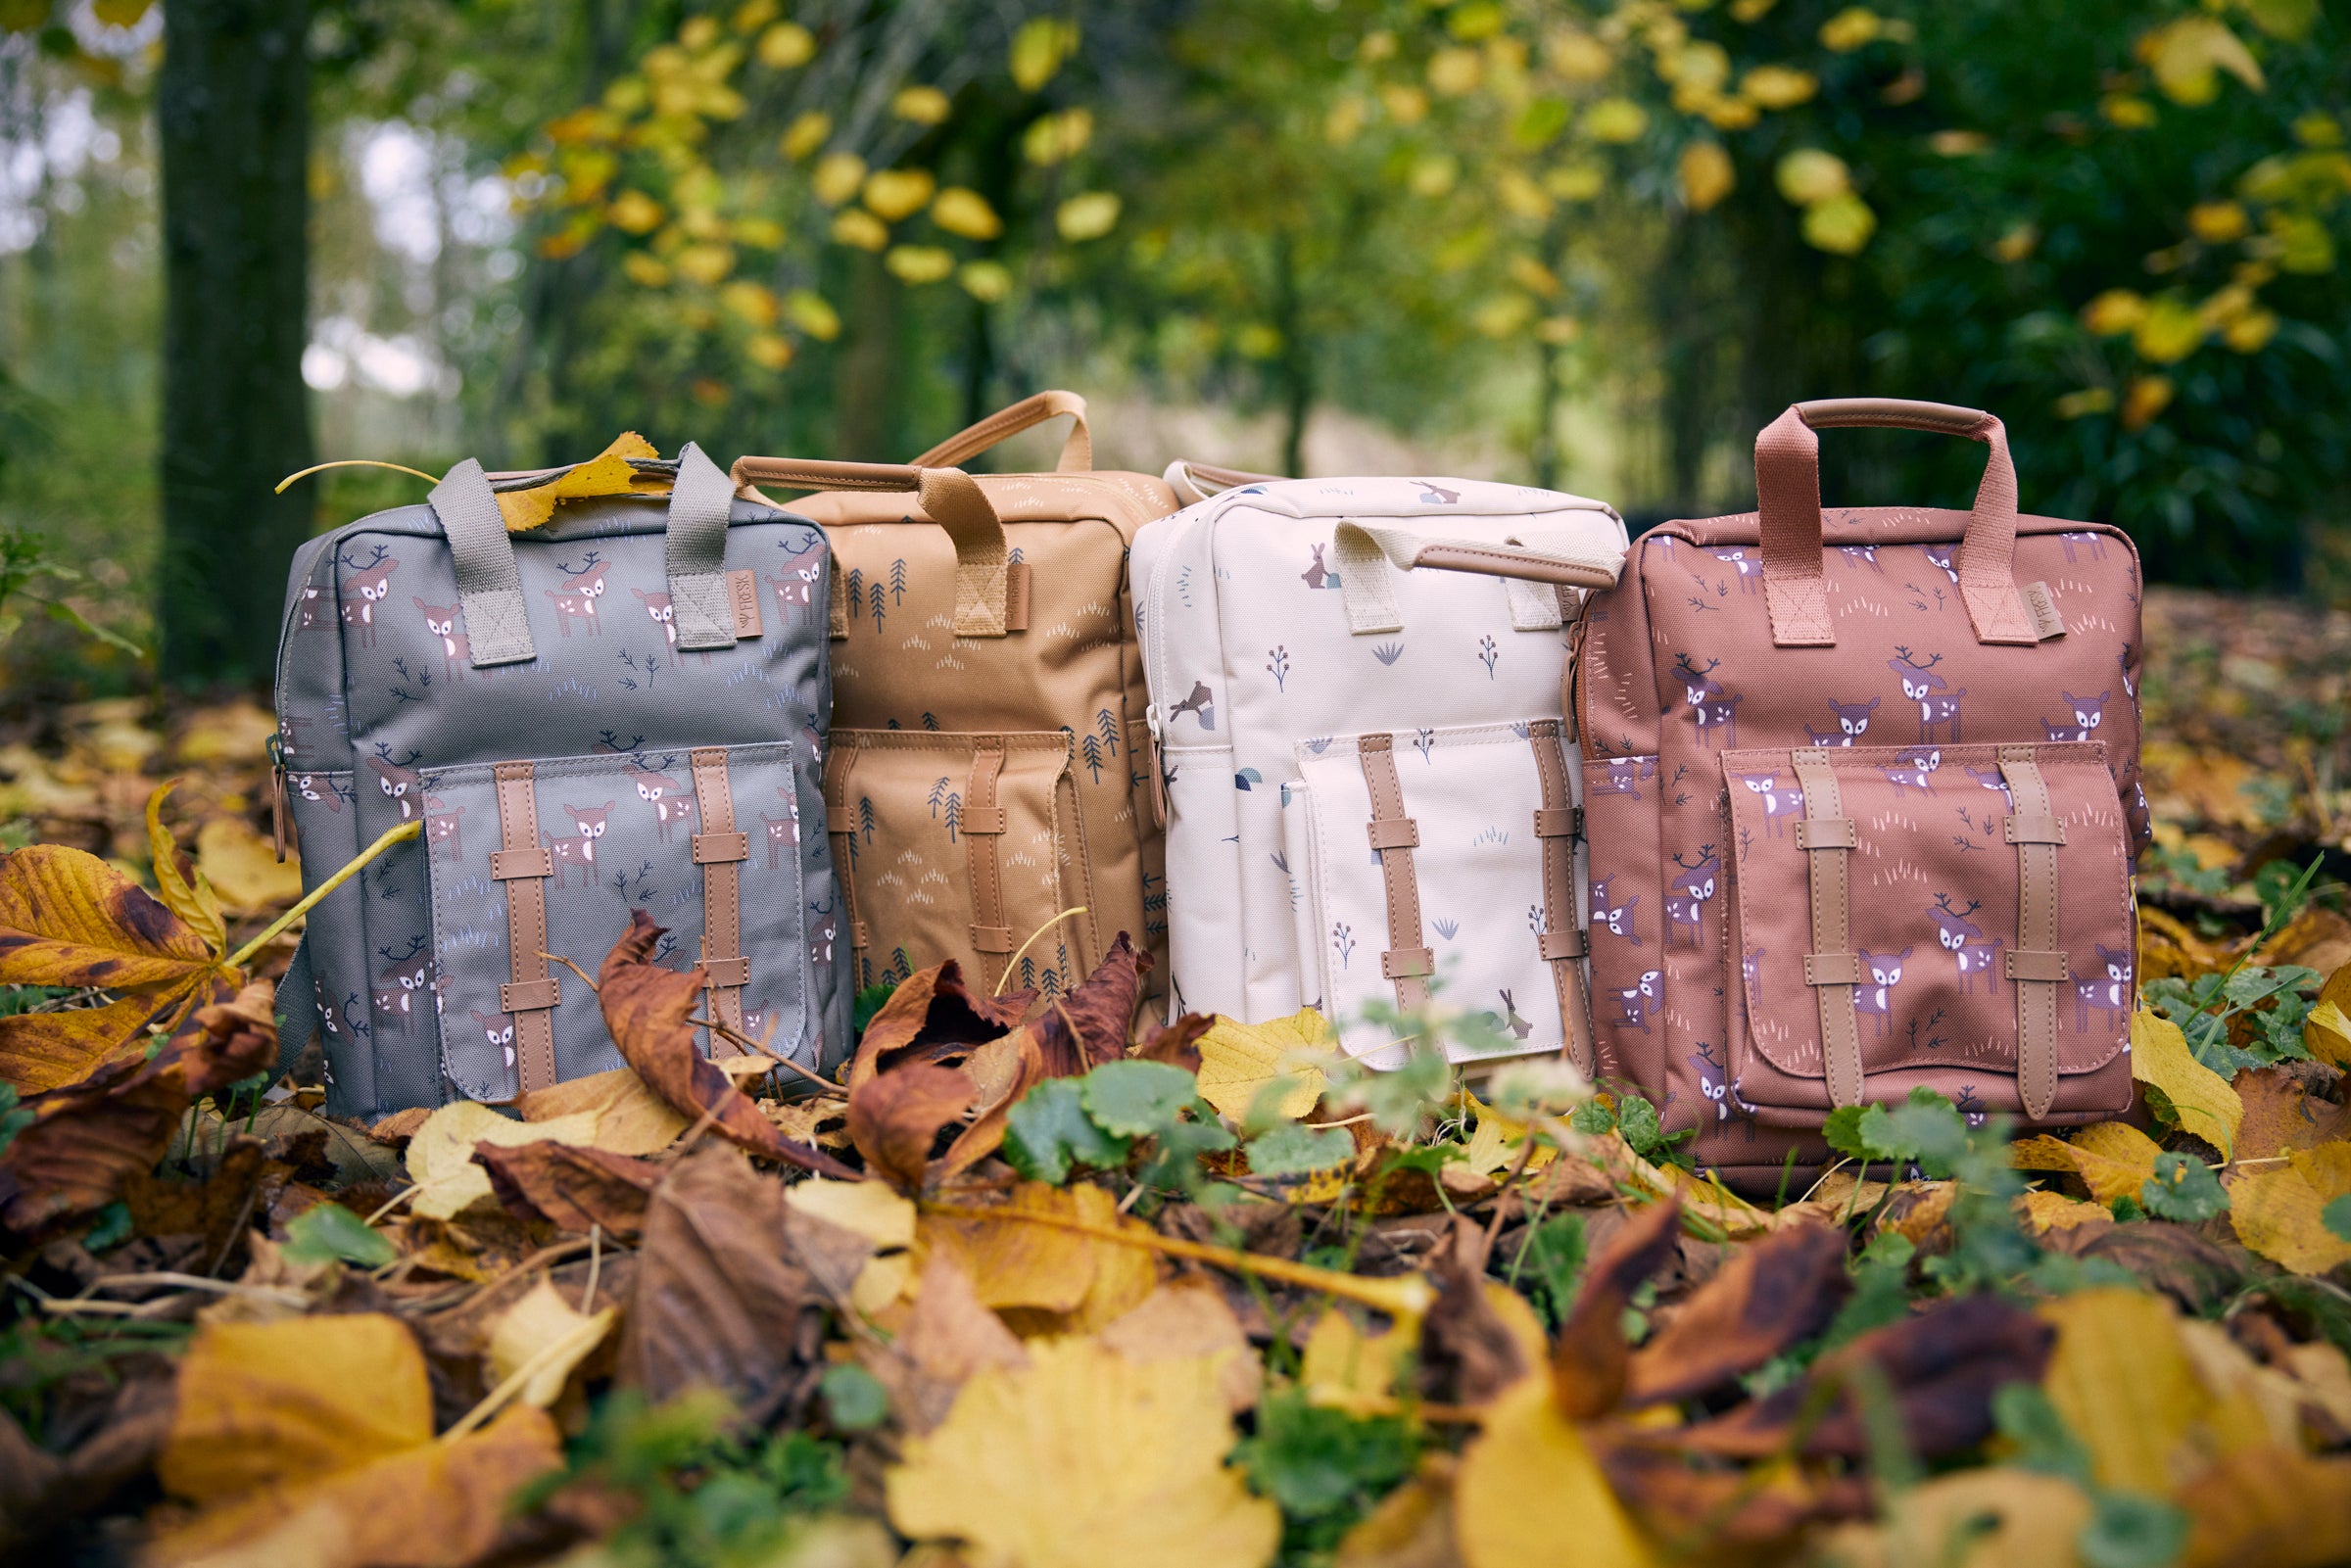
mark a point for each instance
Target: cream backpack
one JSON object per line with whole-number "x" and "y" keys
{"x": 1369, "y": 788}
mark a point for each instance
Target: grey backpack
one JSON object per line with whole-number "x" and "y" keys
{"x": 619, "y": 711}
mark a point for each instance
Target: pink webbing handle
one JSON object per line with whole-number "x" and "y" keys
{"x": 1796, "y": 584}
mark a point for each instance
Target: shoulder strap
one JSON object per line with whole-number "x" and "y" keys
{"x": 1076, "y": 451}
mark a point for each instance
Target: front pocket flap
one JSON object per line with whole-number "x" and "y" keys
{"x": 1932, "y": 893}
{"x": 615, "y": 834}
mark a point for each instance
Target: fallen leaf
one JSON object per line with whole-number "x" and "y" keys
{"x": 608, "y": 473}
{"x": 2002, "y": 1517}
{"x": 894, "y": 1117}
{"x": 2113, "y": 1158}
{"x": 1412, "y": 1526}
{"x": 1694, "y": 1514}
{"x": 1189, "y": 1317}
{"x": 948, "y": 1336}
{"x": 718, "y": 1301}
{"x": 1089, "y": 1026}
{"x": 544, "y": 1336}
{"x": 2281, "y": 1114}
{"x": 1469, "y": 1350}
{"x": 2170, "y": 1259}
{"x": 2123, "y": 1381}
{"x": 630, "y": 1118}
{"x": 2270, "y": 1509}
{"x": 1496, "y": 1141}
{"x": 645, "y": 1006}
{"x": 311, "y": 1440}
{"x": 2280, "y": 1212}
{"x": 2043, "y": 1210}
{"x": 1060, "y": 1279}
{"x": 180, "y": 884}
{"x": 1345, "y": 1368}
{"x": 868, "y": 1208}
{"x": 574, "y": 1188}
{"x": 1238, "y": 1060}
{"x": 236, "y": 733}
{"x": 1771, "y": 1294}
{"x": 931, "y": 1011}
{"x": 2326, "y": 1031}
{"x": 244, "y": 865}
{"x": 1006, "y": 1070}
{"x": 87, "y": 1140}
{"x": 1177, "y": 1044}
{"x": 1148, "y": 1438}
{"x": 2207, "y": 1106}
{"x": 1529, "y": 1486}
{"x": 439, "y": 1156}
{"x": 1589, "y": 1362}
{"x": 824, "y": 1217}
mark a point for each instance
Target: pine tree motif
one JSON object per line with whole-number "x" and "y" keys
{"x": 938, "y": 795}
{"x": 877, "y": 606}
{"x": 897, "y": 581}
{"x": 858, "y": 593}
{"x": 954, "y": 815}
{"x": 865, "y": 819}
{"x": 1106, "y": 724}
{"x": 1091, "y": 751}
{"x": 931, "y": 722}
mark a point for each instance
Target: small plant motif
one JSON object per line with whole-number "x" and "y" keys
{"x": 1446, "y": 926}
{"x": 1388, "y": 652}
{"x": 1488, "y": 654}
{"x": 1278, "y": 664}
{"x": 1342, "y": 942}
{"x": 1424, "y": 741}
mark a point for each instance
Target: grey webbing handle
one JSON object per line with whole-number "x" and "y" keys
{"x": 490, "y": 588}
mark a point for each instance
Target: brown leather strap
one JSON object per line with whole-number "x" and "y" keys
{"x": 836, "y": 610}
{"x": 720, "y": 850}
{"x": 1558, "y": 825}
{"x": 1832, "y": 969}
{"x": 1407, "y": 962}
{"x": 2038, "y": 965}
{"x": 1796, "y": 588}
{"x": 981, "y": 822}
{"x": 843, "y": 828}
{"x": 1076, "y": 451}
{"x": 523, "y": 865}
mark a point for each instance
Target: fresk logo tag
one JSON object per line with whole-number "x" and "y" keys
{"x": 743, "y": 595}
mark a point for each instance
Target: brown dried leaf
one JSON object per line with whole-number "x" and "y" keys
{"x": 2281, "y": 1114}
{"x": 1089, "y": 1026}
{"x": 630, "y": 1118}
{"x": 1721, "y": 1505}
{"x": 986, "y": 1134}
{"x": 574, "y": 1188}
{"x": 1772, "y": 1294}
{"x": 645, "y": 1006}
{"x": 1469, "y": 1353}
{"x": 933, "y": 1012}
{"x": 894, "y": 1117}
{"x": 88, "y": 1139}
{"x": 1589, "y": 1363}
{"x": 1177, "y": 1044}
{"x": 718, "y": 1301}
{"x": 2274, "y": 1506}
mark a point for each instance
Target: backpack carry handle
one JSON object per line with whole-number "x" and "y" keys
{"x": 1076, "y": 449}
{"x": 1796, "y": 584}
{"x": 490, "y": 586}
{"x": 990, "y": 592}
{"x": 1364, "y": 554}
{"x": 1194, "y": 483}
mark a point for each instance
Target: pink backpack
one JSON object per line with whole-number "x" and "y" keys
{"x": 1862, "y": 796}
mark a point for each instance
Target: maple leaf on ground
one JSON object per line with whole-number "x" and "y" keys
{"x": 645, "y": 1006}
{"x": 88, "y": 1139}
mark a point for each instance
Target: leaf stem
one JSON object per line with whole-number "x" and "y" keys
{"x": 1014, "y": 961}
{"x": 270, "y": 933}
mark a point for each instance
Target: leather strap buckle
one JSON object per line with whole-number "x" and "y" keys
{"x": 1832, "y": 969}
{"x": 1827, "y": 832}
{"x": 528, "y": 996}
{"x": 508, "y": 865}
{"x": 1394, "y": 832}
{"x": 1400, "y": 963}
{"x": 718, "y": 849}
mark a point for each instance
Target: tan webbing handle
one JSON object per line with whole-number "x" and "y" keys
{"x": 1194, "y": 483}
{"x": 1076, "y": 451}
{"x": 986, "y": 603}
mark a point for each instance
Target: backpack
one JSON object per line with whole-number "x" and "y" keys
{"x": 1864, "y": 795}
{"x": 617, "y": 712}
{"x": 984, "y": 786}
{"x": 1357, "y": 711}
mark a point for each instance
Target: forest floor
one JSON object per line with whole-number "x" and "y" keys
{"x": 1042, "y": 1294}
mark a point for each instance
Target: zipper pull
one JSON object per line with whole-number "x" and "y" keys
{"x": 277, "y": 794}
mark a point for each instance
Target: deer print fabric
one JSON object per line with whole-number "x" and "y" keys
{"x": 1912, "y": 713}
{"x": 383, "y": 720}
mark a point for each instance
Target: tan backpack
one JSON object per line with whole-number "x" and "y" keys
{"x": 987, "y": 771}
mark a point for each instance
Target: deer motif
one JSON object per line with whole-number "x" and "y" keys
{"x": 1751, "y": 970}
{"x": 1613, "y": 918}
{"x": 1914, "y": 772}
{"x": 1714, "y": 710}
{"x": 1874, "y": 996}
{"x": 1852, "y": 723}
{"x": 2108, "y": 994}
{"x": 1779, "y": 801}
{"x": 1519, "y": 1027}
{"x": 1945, "y": 559}
{"x": 371, "y": 581}
{"x": 1862, "y": 556}
{"x": 576, "y": 600}
{"x": 499, "y": 1030}
{"x": 1624, "y": 776}
{"x": 1202, "y": 702}
{"x": 821, "y": 931}
{"x": 796, "y": 586}
{"x": 315, "y": 787}
{"x": 402, "y": 786}
{"x": 1938, "y": 704}
{"x": 2088, "y": 713}
{"x": 457, "y": 648}
{"x": 1636, "y": 1002}
{"x": 2087, "y": 540}
{"x": 664, "y": 615}
{"x": 1715, "y": 1082}
{"x": 441, "y": 829}
{"x": 1688, "y": 894}
{"x": 579, "y": 849}
{"x": 397, "y": 987}
{"x": 1993, "y": 780}
{"x": 782, "y": 836}
{"x": 672, "y": 803}
{"x": 1320, "y": 575}
{"x": 1749, "y": 567}
{"x": 313, "y": 613}
{"x": 1963, "y": 939}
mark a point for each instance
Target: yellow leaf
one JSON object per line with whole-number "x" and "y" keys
{"x": 1149, "y": 1441}
{"x": 546, "y": 1335}
{"x": 1705, "y": 176}
{"x": 985, "y": 281}
{"x": 1038, "y": 48}
{"x": 1849, "y": 29}
{"x": 923, "y": 105}
{"x": 920, "y": 263}
{"x": 2145, "y": 398}
{"x": 2276, "y": 1507}
{"x": 2326, "y": 1032}
{"x": 2123, "y": 1381}
{"x": 787, "y": 45}
{"x": 1997, "y": 1517}
{"x": 965, "y": 211}
{"x": 838, "y": 178}
{"x": 2115, "y": 1158}
{"x": 1086, "y": 217}
{"x": 1809, "y": 176}
{"x": 121, "y": 12}
{"x": 2218, "y": 222}
{"x": 2206, "y": 1103}
{"x": 813, "y": 315}
{"x": 1454, "y": 72}
{"x": 2045, "y": 1211}
{"x": 440, "y": 1155}
{"x": 2280, "y": 1214}
{"x": 1348, "y": 1369}
{"x": 1528, "y": 1485}
{"x": 2187, "y": 55}
{"x": 2115, "y": 311}
{"x": 1616, "y": 120}
{"x": 1495, "y": 1142}
{"x": 635, "y": 212}
{"x": 606, "y": 474}
{"x": 1052, "y": 138}
{"x": 193, "y": 902}
{"x": 860, "y": 228}
{"x": 1778, "y": 86}
{"x": 805, "y": 134}
{"x": 1056, "y": 1280}
{"x": 1238, "y": 1060}
{"x": 2168, "y": 332}
{"x": 629, "y": 1117}
{"x": 1841, "y": 225}
{"x": 243, "y": 866}
{"x": 899, "y": 193}
{"x": 870, "y": 1209}
{"x": 1189, "y": 1317}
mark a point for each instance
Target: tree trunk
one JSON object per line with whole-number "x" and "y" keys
{"x": 871, "y": 400}
{"x": 1295, "y": 368}
{"x": 232, "y": 110}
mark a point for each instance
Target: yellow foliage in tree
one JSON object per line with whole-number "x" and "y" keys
{"x": 1616, "y": 120}
{"x": 1778, "y": 86}
{"x": 1039, "y": 48}
{"x": 1706, "y": 175}
{"x": 859, "y": 227}
{"x": 965, "y": 211}
{"x": 805, "y": 134}
{"x": 920, "y": 263}
{"x": 923, "y": 105}
{"x": 838, "y": 176}
{"x": 896, "y": 194}
{"x": 1088, "y": 216}
{"x": 785, "y": 46}
{"x": 1808, "y": 176}
{"x": 985, "y": 281}
{"x": 2187, "y": 54}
